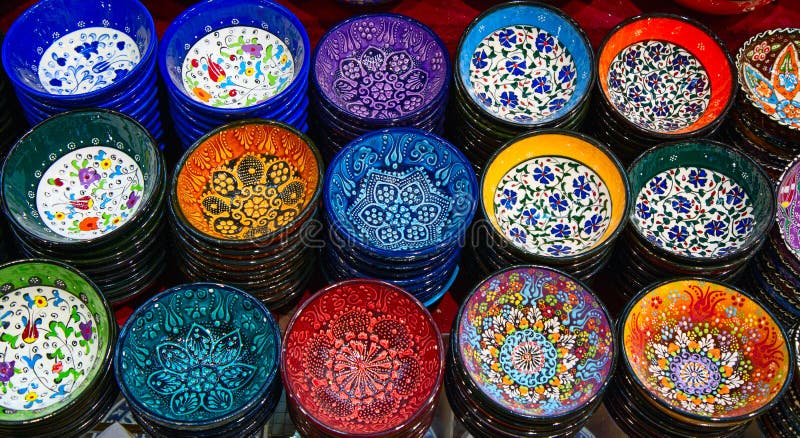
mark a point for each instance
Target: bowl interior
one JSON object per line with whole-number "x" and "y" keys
{"x": 768, "y": 65}
{"x": 232, "y": 55}
{"x": 536, "y": 342}
{"x": 788, "y": 210}
{"x": 247, "y": 180}
{"x": 554, "y": 194}
{"x": 198, "y": 353}
{"x": 700, "y": 199}
{"x": 400, "y": 190}
{"x": 514, "y": 49}
{"x": 362, "y": 357}
{"x": 381, "y": 66}
{"x": 58, "y": 337}
{"x": 705, "y": 350}
{"x": 69, "y": 47}
{"x": 80, "y": 176}
{"x": 665, "y": 75}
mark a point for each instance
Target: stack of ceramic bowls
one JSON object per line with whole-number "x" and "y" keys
{"x": 68, "y": 54}
{"x": 233, "y": 60}
{"x": 88, "y": 188}
{"x": 531, "y": 353}
{"x": 200, "y": 360}
{"x": 774, "y": 275}
{"x": 551, "y": 197}
{"x": 55, "y": 367}
{"x": 766, "y": 121}
{"x": 783, "y": 420}
{"x": 661, "y": 78}
{"x": 519, "y": 66}
{"x": 362, "y": 358}
{"x": 700, "y": 209}
{"x": 377, "y": 71}
{"x": 701, "y": 359}
{"x": 398, "y": 204}
{"x": 11, "y": 123}
{"x": 243, "y": 201}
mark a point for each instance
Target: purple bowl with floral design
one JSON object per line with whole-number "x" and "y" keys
{"x": 788, "y": 210}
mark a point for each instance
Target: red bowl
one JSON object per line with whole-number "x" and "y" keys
{"x": 723, "y": 7}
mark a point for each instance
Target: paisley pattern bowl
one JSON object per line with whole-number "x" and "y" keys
{"x": 788, "y": 209}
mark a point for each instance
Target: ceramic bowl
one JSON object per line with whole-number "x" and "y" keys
{"x": 723, "y": 7}
{"x": 197, "y": 356}
{"x": 705, "y": 351}
{"x": 555, "y": 195}
{"x": 51, "y": 47}
{"x": 246, "y": 182}
{"x": 234, "y": 58}
{"x": 82, "y": 178}
{"x": 525, "y": 64}
{"x": 666, "y": 76}
{"x": 362, "y": 358}
{"x": 400, "y": 191}
{"x": 699, "y": 201}
{"x": 536, "y": 344}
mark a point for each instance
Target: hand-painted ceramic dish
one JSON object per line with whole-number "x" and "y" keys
{"x": 704, "y": 351}
{"x": 198, "y": 356}
{"x": 788, "y": 209}
{"x": 247, "y": 181}
{"x": 360, "y": 358}
{"x": 666, "y": 76}
{"x": 535, "y": 343}
{"x": 700, "y": 201}
{"x": 723, "y": 7}
{"x": 555, "y": 195}
{"x": 525, "y": 64}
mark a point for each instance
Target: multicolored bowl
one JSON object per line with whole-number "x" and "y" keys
{"x": 788, "y": 210}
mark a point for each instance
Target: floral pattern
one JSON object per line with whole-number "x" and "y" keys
{"x": 237, "y": 67}
{"x": 89, "y": 192}
{"x": 86, "y": 60}
{"x": 48, "y": 344}
{"x": 536, "y": 342}
{"x": 705, "y": 349}
{"x": 694, "y": 212}
{"x": 522, "y": 74}
{"x": 658, "y": 86}
{"x": 788, "y": 214}
{"x": 552, "y": 206}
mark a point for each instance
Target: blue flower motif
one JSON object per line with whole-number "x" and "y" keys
{"x": 788, "y": 81}
{"x": 744, "y": 226}
{"x": 635, "y": 94}
{"x": 662, "y": 108}
{"x": 541, "y": 85}
{"x": 696, "y": 84}
{"x": 735, "y": 196}
{"x": 509, "y": 99}
{"x": 655, "y": 51}
{"x": 581, "y": 186}
{"x": 507, "y": 37}
{"x": 658, "y": 185}
{"x": 557, "y": 203}
{"x": 516, "y": 67}
{"x": 678, "y": 233}
{"x": 566, "y": 74}
{"x": 509, "y": 198}
{"x": 86, "y": 49}
{"x": 681, "y": 204}
{"x": 558, "y": 249}
{"x": 557, "y": 104}
{"x": 479, "y": 59}
{"x": 716, "y": 228}
{"x": 560, "y": 230}
{"x": 693, "y": 109}
{"x": 615, "y": 79}
{"x": 543, "y": 175}
{"x": 545, "y": 43}
{"x": 523, "y": 118}
{"x": 485, "y": 99}
{"x": 592, "y": 225}
{"x": 698, "y": 177}
{"x": 518, "y": 235}
{"x": 643, "y": 211}
{"x": 631, "y": 57}
{"x": 653, "y": 80}
{"x": 531, "y": 216}
{"x": 679, "y": 61}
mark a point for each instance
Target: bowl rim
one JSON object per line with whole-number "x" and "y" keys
{"x": 791, "y": 358}
{"x": 462, "y": 308}
{"x": 440, "y": 97}
{"x": 738, "y": 252}
{"x": 599, "y": 145}
{"x": 334, "y": 221}
{"x": 157, "y": 298}
{"x": 159, "y": 179}
{"x": 291, "y": 396}
{"x": 34, "y": 10}
{"x": 702, "y": 130}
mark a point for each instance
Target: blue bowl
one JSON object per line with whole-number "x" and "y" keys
{"x": 45, "y": 22}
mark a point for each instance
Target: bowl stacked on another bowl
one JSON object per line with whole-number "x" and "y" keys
{"x": 11, "y": 122}
{"x": 377, "y": 71}
{"x": 200, "y": 360}
{"x": 398, "y": 204}
{"x": 520, "y": 66}
{"x": 243, "y": 204}
{"x": 701, "y": 359}
{"x": 362, "y": 358}
{"x": 532, "y": 351}
{"x": 782, "y": 420}
{"x": 56, "y": 375}
{"x": 88, "y": 187}
{"x": 63, "y": 55}
{"x": 233, "y": 60}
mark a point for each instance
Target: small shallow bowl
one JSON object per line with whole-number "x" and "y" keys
{"x": 82, "y": 178}
{"x": 666, "y": 76}
{"x": 700, "y": 201}
{"x": 362, "y": 358}
{"x": 555, "y": 195}
{"x": 246, "y": 182}
{"x": 381, "y": 180}
{"x": 95, "y": 36}
{"x": 723, "y": 7}
{"x": 788, "y": 209}
{"x": 535, "y": 343}
{"x": 705, "y": 352}
{"x": 198, "y": 356}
